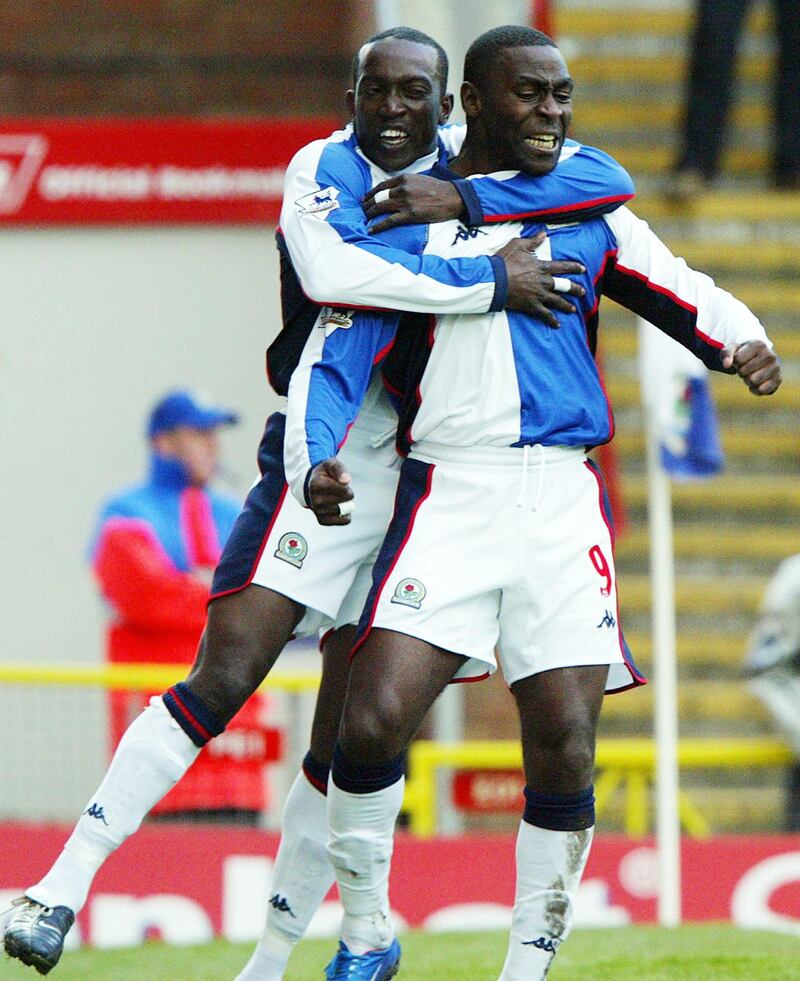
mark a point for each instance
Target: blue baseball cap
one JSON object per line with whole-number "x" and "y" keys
{"x": 185, "y": 408}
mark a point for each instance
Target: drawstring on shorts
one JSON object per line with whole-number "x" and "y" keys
{"x": 523, "y": 492}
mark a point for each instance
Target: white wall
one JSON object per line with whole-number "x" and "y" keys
{"x": 95, "y": 324}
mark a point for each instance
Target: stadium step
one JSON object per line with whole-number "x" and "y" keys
{"x": 621, "y": 342}
{"x": 718, "y": 702}
{"x": 713, "y": 595}
{"x": 711, "y": 651}
{"x": 753, "y": 493}
{"x": 738, "y": 440}
{"x": 574, "y": 21}
{"x": 770, "y": 210}
{"x": 713, "y": 540}
{"x": 729, "y": 395}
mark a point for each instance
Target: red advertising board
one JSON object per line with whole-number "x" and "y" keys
{"x": 190, "y": 884}
{"x": 108, "y": 171}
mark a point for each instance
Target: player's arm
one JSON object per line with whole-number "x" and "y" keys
{"x": 644, "y": 276}
{"x": 586, "y": 183}
{"x": 340, "y": 264}
{"x": 325, "y": 395}
{"x": 137, "y": 577}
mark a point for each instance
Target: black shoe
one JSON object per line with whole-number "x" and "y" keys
{"x": 35, "y": 933}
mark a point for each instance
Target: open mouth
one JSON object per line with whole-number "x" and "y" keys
{"x": 393, "y": 137}
{"x": 542, "y": 142}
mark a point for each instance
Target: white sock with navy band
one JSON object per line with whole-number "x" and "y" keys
{"x": 363, "y": 804}
{"x": 151, "y": 757}
{"x": 302, "y": 875}
{"x": 553, "y": 844}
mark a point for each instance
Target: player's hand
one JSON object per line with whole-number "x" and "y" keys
{"x": 536, "y": 287}
{"x": 328, "y": 487}
{"x": 411, "y": 199}
{"x": 753, "y": 362}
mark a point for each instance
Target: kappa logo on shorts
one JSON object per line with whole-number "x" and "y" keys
{"x": 607, "y": 621}
{"x": 332, "y": 319}
{"x": 409, "y": 592}
{"x": 292, "y": 548}
{"x": 318, "y": 203}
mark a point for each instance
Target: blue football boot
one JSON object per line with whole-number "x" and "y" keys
{"x": 35, "y": 933}
{"x": 375, "y": 965}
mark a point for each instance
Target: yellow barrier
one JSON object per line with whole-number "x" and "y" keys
{"x": 619, "y": 761}
{"x": 135, "y": 677}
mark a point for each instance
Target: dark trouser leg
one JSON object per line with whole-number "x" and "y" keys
{"x": 709, "y": 89}
{"x": 792, "y": 813}
{"x": 787, "y": 94}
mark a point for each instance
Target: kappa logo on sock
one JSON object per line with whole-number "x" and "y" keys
{"x": 292, "y": 548}
{"x": 281, "y": 904}
{"x": 96, "y": 811}
{"x": 542, "y": 943}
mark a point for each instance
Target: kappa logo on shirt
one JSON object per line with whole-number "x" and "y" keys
{"x": 318, "y": 203}
{"x": 464, "y": 233}
{"x": 409, "y": 592}
{"x": 292, "y": 548}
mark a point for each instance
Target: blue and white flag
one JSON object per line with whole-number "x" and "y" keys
{"x": 676, "y": 391}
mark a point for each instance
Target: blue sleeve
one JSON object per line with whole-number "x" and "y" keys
{"x": 586, "y": 183}
{"x": 329, "y": 385}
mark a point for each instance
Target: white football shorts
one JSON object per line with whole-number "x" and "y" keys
{"x": 503, "y": 547}
{"x": 278, "y": 544}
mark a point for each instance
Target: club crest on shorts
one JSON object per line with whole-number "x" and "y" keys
{"x": 292, "y": 548}
{"x": 409, "y": 592}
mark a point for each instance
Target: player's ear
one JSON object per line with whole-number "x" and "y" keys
{"x": 470, "y": 99}
{"x": 445, "y": 108}
{"x": 350, "y": 102}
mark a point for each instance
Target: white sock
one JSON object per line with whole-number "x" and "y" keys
{"x": 549, "y": 869}
{"x": 152, "y": 756}
{"x": 301, "y": 880}
{"x": 360, "y": 850}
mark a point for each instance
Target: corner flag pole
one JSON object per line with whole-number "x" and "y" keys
{"x": 665, "y": 676}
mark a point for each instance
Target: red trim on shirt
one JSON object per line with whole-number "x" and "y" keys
{"x": 564, "y": 209}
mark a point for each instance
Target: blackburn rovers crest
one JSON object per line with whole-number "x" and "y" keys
{"x": 292, "y": 548}
{"x": 332, "y": 319}
{"x": 409, "y": 592}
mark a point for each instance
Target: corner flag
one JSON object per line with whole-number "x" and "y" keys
{"x": 676, "y": 391}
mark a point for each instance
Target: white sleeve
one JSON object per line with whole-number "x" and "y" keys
{"x": 340, "y": 264}
{"x": 644, "y": 276}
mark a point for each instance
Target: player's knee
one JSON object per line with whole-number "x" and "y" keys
{"x": 373, "y": 731}
{"x": 572, "y": 757}
{"x": 563, "y": 758}
{"x": 222, "y": 683}
{"x": 230, "y": 665}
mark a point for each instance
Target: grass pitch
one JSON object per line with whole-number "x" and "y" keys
{"x": 692, "y": 953}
